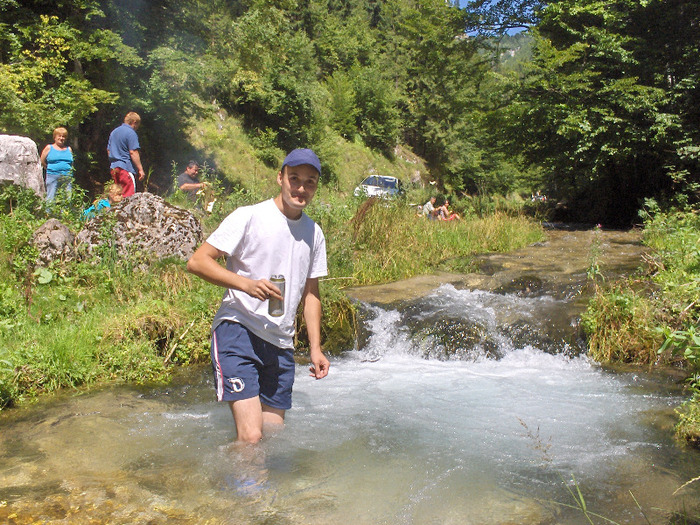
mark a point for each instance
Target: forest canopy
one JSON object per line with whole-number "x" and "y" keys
{"x": 595, "y": 103}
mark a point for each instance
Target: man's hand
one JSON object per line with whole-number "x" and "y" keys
{"x": 204, "y": 264}
{"x": 261, "y": 289}
{"x": 319, "y": 365}
{"x": 136, "y": 161}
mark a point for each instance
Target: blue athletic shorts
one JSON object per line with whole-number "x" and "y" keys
{"x": 246, "y": 366}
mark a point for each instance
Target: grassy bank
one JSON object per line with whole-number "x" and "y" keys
{"x": 81, "y": 323}
{"x": 654, "y": 316}
{"x": 251, "y": 162}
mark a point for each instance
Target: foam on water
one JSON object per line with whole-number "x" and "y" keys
{"x": 392, "y": 435}
{"x": 518, "y": 420}
{"x": 487, "y": 406}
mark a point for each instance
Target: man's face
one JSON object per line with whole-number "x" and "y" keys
{"x": 192, "y": 171}
{"x": 298, "y": 185}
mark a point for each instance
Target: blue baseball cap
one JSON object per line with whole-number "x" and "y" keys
{"x": 301, "y": 156}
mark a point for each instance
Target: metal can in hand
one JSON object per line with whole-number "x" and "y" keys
{"x": 275, "y": 306}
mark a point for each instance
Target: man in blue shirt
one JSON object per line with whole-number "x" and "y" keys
{"x": 123, "y": 153}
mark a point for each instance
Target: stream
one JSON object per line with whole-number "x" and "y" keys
{"x": 468, "y": 399}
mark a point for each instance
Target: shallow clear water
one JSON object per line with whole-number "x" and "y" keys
{"x": 403, "y": 431}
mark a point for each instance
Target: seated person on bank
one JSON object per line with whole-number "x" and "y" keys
{"x": 189, "y": 182}
{"x": 444, "y": 213}
{"x": 429, "y": 210}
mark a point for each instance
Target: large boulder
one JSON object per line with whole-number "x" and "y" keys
{"x": 145, "y": 224}
{"x": 20, "y": 164}
{"x": 54, "y": 241}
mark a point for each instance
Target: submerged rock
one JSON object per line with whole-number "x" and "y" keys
{"x": 523, "y": 285}
{"x": 460, "y": 339}
{"x": 142, "y": 224}
{"x": 20, "y": 164}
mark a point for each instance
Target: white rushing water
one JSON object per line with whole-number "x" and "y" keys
{"x": 391, "y": 436}
{"x": 426, "y": 433}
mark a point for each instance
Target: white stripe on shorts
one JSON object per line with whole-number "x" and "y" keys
{"x": 218, "y": 373}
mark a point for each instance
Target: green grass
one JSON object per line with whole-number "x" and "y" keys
{"x": 675, "y": 240}
{"x": 231, "y": 153}
{"x": 91, "y": 325}
{"x": 76, "y": 324}
{"x": 236, "y": 158}
{"x": 654, "y": 317}
{"x": 390, "y": 242}
{"x": 620, "y": 323}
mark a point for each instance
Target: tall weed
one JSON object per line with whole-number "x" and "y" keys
{"x": 619, "y": 322}
{"x": 390, "y": 242}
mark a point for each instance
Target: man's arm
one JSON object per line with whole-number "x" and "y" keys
{"x": 312, "y": 316}
{"x": 136, "y": 159}
{"x": 189, "y": 186}
{"x": 204, "y": 264}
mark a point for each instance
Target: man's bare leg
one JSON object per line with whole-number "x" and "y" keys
{"x": 273, "y": 419}
{"x": 247, "y": 414}
{"x": 251, "y": 415}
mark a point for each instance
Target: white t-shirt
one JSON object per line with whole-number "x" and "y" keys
{"x": 261, "y": 241}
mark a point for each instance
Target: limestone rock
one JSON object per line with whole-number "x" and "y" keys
{"x": 54, "y": 241}
{"x": 143, "y": 223}
{"x": 20, "y": 164}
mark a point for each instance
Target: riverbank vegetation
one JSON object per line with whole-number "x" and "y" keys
{"x": 79, "y": 323}
{"x": 594, "y": 105}
{"x": 653, "y": 317}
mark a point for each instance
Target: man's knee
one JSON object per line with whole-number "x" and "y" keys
{"x": 272, "y": 417}
{"x": 247, "y": 414}
{"x": 249, "y": 435}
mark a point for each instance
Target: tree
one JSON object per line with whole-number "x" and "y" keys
{"x": 273, "y": 82}
{"x": 343, "y": 109}
{"x": 378, "y": 119}
{"x": 44, "y": 62}
{"x": 497, "y": 18}
{"x": 597, "y": 113}
{"x": 436, "y": 71}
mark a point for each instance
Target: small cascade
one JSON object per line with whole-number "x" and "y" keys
{"x": 465, "y": 325}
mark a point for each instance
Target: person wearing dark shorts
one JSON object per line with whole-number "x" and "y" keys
{"x": 247, "y": 366}
{"x": 275, "y": 255}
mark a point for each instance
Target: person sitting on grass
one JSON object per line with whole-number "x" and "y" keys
{"x": 444, "y": 213}
{"x": 429, "y": 208}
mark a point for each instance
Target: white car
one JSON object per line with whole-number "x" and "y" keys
{"x": 379, "y": 186}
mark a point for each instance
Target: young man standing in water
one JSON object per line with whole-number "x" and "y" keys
{"x": 252, "y": 343}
